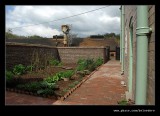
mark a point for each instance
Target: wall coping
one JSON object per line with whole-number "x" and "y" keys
{"x": 39, "y": 45}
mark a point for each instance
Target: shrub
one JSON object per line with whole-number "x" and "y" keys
{"x": 19, "y": 69}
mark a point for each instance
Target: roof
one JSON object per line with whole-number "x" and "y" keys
{"x": 100, "y": 42}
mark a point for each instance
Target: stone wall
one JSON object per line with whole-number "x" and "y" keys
{"x": 130, "y": 11}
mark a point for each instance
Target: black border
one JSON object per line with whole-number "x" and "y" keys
{"x": 67, "y": 110}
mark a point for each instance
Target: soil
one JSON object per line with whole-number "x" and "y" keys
{"x": 63, "y": 86}
{"x": 47, "y": 72}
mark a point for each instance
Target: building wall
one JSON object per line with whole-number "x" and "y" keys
{"x": 28, "y": 54}
{"x": 151, "y": 56}
{"x": 130, "y": 11}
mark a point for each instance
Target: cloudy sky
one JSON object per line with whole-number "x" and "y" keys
{"x": 40, "y": 20}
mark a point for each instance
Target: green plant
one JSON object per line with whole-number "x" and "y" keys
{"x": 47, "y": 91}
{"x": 32, "y": 87}
{"x": 76, "y": 82}
{"x": 68, "y": 73}
{"x": 9, "y": 77}
{"x": 123, "y": 102}
{"x": 55, "y": 62}
{"x": 99, "y": 62}
{"x": 87, "y": 64}
{"x": 19, "y": 69}
{"x": 29, "y": 68}
{"x": 73, "y": 84}
{"x": 50, "y": 79}
{"x": 45, "y": 84}
{"x": 81, "y": 65}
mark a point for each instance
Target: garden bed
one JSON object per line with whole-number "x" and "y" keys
{"x": 49, "y": 82}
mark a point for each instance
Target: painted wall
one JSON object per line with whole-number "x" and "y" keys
{"x": 130, "y": 11}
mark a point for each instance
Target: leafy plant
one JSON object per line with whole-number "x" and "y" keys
{"x": 29, "y": 68}
{"x": 99, "y": 62}
{"x": 45, "y": 84}
{"x": 33, "y": 86}
{"x": 123, "y": 102}
{"x": 50, "y": 79}
{"x": 73, "y": 84}
{"x": 87, "y": 64}
{"x": 9, "y": 77}
{"x": 19, "y": 69}
{"x": 76, "y": 82}
{"x": 47, "y": 91}
{"x": 55, "y": 62}
{"x": 68, "y": 73}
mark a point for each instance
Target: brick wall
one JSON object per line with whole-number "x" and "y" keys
{"x": 27, "y": 53}
{"x": 72, "y": 54}
{"x": 151, "y": 56}
{"x": 130, "y": 11}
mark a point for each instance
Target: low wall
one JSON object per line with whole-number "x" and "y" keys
{"x": 39, "y": 55}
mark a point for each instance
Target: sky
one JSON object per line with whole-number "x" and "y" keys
{"x": 39, "y": 20}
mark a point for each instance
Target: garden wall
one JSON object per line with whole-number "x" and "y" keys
{"x": 72, "y": 54}
{"x": 28, "y": 54}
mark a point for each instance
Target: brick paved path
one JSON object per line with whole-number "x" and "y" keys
{"x": 102, "y": 88}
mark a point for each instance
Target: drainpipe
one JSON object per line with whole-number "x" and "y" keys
{"x": 122, "y": 35}
{"x": 142, "y": 31}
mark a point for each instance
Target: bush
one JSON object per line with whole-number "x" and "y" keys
{"x": 19, "y": 69}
